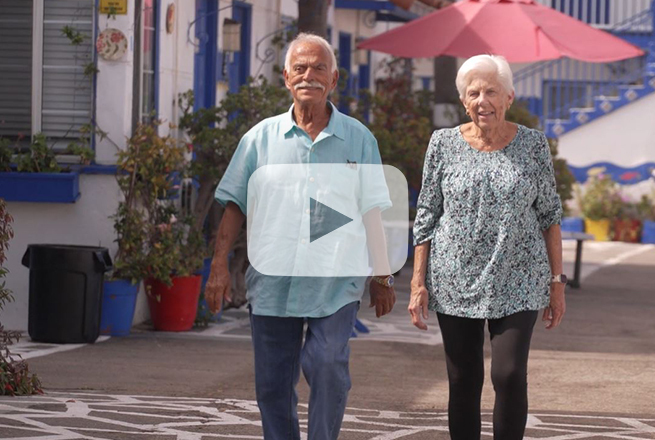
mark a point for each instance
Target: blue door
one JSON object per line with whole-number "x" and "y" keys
{"x": 239, "y": 68}
{"x": 204, "y": 71}
{"x": 345, "y": 48}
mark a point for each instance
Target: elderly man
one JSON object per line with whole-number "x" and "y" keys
{"x": 312, "y": 132}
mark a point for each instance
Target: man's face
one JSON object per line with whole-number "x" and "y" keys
{"x": 310, "y": 79}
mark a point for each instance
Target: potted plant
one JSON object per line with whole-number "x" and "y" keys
{"x": 627, "y": 226}
{"x": 159, "y": 244}
{"x": 646, "y": 212}
{"x": 121, "y": 286}
{"x": 600, "y": 205}
{"x": 175, "y": 257}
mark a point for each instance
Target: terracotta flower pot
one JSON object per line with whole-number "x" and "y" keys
{"x": 600, "y": 229}
{"x": 627, "y": 230}
{"x": 173, "y": 309}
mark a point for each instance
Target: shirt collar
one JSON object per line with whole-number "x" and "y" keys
{"x": 334, "y": 127}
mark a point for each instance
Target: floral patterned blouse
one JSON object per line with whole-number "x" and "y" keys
{"x": 484, "y": 213}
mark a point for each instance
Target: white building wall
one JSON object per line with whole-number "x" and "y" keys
{"x": 85, "y": 222}
{"x": 624, "y": 137}
{"x": 114, "y": 91}
{"x": 176, "y": 58}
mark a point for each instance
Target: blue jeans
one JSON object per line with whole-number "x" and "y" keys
{"x": 279, "y": 355}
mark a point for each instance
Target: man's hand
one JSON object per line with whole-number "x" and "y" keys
{"x": 218, "y": 287}
{"x": 418, "y": 305}
{"x": 382, "y": 298}
{"x": 555, "y": 311}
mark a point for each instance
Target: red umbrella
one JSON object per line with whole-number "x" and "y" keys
{"x": 519, "y": 30}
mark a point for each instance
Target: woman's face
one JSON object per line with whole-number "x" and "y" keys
{"x": 486, "y": 101}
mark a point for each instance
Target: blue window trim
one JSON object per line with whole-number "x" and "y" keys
{"x": 246, "y": 41}
{"x": 207, "y": 62}
{"x": 385, "y": 10}
{"x": 426, "y": 82}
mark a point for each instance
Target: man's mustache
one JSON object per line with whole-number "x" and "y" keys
{"x": 315, "y": 84}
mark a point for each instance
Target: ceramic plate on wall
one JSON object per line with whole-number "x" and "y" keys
{"x": 111, "y": 44}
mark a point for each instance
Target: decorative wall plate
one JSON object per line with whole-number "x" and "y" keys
{"x": 111, "y": 44}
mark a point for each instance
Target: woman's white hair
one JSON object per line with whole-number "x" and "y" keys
{"x": 306, "y": 37}
{"x": 481, "y": 65}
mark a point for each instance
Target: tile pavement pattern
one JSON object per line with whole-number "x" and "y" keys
{"x": 67, "y": 416}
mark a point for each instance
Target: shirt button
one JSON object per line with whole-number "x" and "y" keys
{"x": 307, "y": 211}
{"x": 303, "y": 241}
{"x": 311, "y": 179}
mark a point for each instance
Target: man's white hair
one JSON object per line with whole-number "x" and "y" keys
{"x": 481, "y": 65}
{"x": 306, "y": 37}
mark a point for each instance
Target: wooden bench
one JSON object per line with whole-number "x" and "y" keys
{"x": 579, "y": 237}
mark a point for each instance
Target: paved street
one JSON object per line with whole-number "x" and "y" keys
{"x": 593, "y": 378}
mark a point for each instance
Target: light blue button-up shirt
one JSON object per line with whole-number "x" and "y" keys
{"x": 279, "y": 140}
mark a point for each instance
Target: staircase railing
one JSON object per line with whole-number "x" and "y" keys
{"x": 551, "y": 89}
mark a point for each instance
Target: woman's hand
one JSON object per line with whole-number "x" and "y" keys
{"x": 418, "y": 304}
{"x": 555, "y": 311}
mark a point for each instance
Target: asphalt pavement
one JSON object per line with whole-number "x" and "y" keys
{"x": 592, "y": 378}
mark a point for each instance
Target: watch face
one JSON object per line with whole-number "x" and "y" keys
{"x": 390, "y": 280}
{"x": 563, "y": 279}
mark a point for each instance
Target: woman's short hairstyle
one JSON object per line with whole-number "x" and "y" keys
{"x": 484, "y": 64}
{"x": 306, "y": 37}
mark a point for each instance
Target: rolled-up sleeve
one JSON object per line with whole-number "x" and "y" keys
{"x": 233, "y": 187}
{"x": 547, "y": 205}
{"x": 429, "y": 207}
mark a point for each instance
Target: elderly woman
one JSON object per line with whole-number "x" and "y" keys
{"x": 488, "y": 248}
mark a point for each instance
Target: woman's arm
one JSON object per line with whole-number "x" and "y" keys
{"x": 555, "y": 311}
{"x": 418, "y": 303}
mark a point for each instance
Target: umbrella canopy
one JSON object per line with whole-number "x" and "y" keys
{"x": 519, "y": 30}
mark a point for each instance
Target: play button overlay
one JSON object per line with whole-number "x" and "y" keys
{"x": 311, "y": 219}
{"x": 323, "y": 220}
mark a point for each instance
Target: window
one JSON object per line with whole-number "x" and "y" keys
{"x": 43, "y": 85}
{"x": 148, "y": 107}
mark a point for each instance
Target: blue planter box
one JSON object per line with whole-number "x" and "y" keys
{"x": 573, "y": 224}
{"x": 40, "y": 187}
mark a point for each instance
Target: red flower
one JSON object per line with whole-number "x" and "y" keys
{"x": 116, "y": 37}
{"x": 100, "y": 45}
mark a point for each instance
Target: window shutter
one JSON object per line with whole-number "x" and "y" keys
{"x": 67, "y": 102}
{"x": 15, "y": 68}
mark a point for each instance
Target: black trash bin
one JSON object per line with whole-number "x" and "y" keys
{"x": 65, "y": 292}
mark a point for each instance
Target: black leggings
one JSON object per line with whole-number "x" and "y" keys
{"x": 463, "y": 340}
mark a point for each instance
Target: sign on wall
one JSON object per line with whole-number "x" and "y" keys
{"x": 118, "y": 7}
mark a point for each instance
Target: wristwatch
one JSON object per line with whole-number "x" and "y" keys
{"x": 561, "y": 278}
{"x": 385, "y": 281}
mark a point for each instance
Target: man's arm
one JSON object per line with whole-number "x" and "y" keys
{"x": 382, "y": 298}
{"x": 219, "y": 282}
